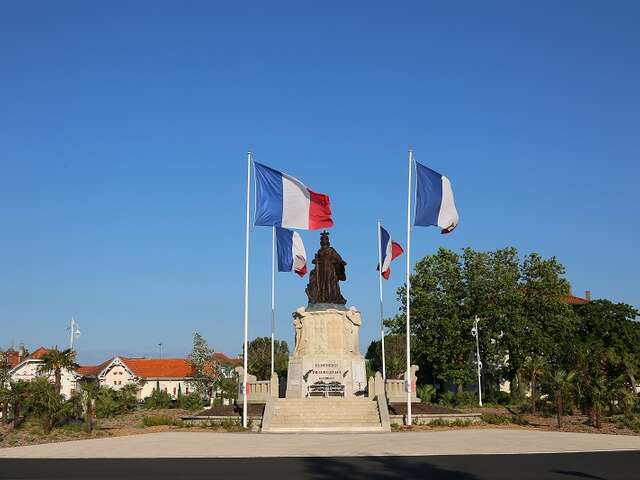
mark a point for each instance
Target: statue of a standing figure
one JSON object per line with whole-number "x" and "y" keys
{"x": 329, "y": 269}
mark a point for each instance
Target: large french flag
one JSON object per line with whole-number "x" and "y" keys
{"x": 434, "y": 200}
{"x": 284, "y": 201}
{"x": 389, "y": 250}
{"x": 292, "y": 256}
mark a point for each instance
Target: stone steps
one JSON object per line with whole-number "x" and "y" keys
{"x": 323, "y": 415}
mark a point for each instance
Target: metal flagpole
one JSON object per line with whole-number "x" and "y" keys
{"x": 408, "y": 301}
{"x": 273, "y": 296}
{"x": 384, "y": 365}
{"x": 246, "y": 297}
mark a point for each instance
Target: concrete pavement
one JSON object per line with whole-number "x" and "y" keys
{"x": 249, "y": 445}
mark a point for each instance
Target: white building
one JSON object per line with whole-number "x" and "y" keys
{"x": 28, "y": 369}
{"x": 171, "y": 374}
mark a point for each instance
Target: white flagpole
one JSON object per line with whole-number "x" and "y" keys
{"x": 273, "y": 296}
{"x": 408, "y": 301}
{"x": 384, "y": 365}
{"x": 246, "y": 296}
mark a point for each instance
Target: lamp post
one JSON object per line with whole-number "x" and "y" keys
{"x": 475, "y": 332}
{"x": 160, "y": 348}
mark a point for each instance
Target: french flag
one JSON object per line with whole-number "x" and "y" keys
{"x": 292, "y": 256}
{"x": 389, "y": 250}
{"x": 285, "y": 201}
{"x": 434, "y": 200}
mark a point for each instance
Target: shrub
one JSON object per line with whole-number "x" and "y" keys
{"x": 158, "y": 399}
{"x": 495, "y": 418}
{"x": 632, "y": 422}
{"x": 110, "y": 403}
{"x": 191, "y": 401}
{"x": 426, "y": 393}
{"x": 155, "y": 420}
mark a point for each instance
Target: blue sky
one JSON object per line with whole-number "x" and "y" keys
{"x": 124, "y": 132}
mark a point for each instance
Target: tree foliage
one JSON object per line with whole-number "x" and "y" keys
{"x": 520, "y": 304}
{"x": 54, "y": 361}
{"x": 259, "y": 358}
{"x": 205, "y": 370}
{"x": 395, "y": 348}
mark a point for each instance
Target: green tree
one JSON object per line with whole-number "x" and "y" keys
{"x": 55, "y": 361}
{"x": 395, "y": 348}
{"x": 520, "y": 305}
{"x": 259, "y": 358}
{"x": 89, "y": 392}
{"x": 45, "y": 403}
{"x": 534, "y": 368}
{"x": 205, "y": 370}
{"x": 559, "y": 384}
{"x": 17, "y": 396}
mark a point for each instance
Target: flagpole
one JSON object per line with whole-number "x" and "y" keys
{"x": 246, "y": 296}
{"x": 384, "y": 365}
{"x": 273, "y": 296}
{"x": 408, "y": 300}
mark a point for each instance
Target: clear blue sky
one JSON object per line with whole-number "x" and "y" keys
{"x": 124, "y": 129}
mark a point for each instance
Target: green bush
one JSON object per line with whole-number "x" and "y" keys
{"x": 497, "y": 397}
{"x": 460, "y": 399}
{"x": 631, "y": 422}
{"x": 158, "y": 399}
{"x": 110, "y": 403}
{"x": 155, "y": 420}
{"x": 495, "y": 418}
{"x": 191, "y": 401}
{"x": 426, "y": 393}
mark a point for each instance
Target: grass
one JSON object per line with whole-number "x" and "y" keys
{"x": 156, "y": 420}
{"x": 496, "y": 419}
{"x": 458, "y": 422}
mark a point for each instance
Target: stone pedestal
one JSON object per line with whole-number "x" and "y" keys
{"x": 326, "y": 360}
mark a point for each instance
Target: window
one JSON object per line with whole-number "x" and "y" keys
{"x": 187, "y": 390}
{"x": 115, "y": 383}
{"x": 174, "y": 390}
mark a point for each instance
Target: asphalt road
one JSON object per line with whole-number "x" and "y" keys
{"x": 565, "y": 466}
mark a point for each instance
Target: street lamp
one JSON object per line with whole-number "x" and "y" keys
{"x": 475, "y": 333}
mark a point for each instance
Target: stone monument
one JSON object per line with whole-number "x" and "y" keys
{"x": 326, "y": 360}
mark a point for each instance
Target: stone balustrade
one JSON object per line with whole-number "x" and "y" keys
{"x": 394, "y": 389}
{"x": 258, "y": 391}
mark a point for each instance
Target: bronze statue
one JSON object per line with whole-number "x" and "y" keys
{"x": 329, "y": 269}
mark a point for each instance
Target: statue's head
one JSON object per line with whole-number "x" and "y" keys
{"x": 324, "y": 239}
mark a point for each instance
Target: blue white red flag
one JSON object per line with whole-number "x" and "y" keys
{"x": 434, "y": 200}
{"x": 291, "y": 254}
{"x": 389, "y": 250}
{"x": 284, "y": 201}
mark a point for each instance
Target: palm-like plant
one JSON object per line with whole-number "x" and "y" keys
{"x": 89, "y": 391}
{"x": 46, "y": 403}
{"x": 55, "y": 361}
{"x": 534, "y": 367}
{"x": 560, "y": 384}
{"x": 18, "y": 394}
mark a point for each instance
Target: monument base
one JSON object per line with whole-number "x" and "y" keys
{"x": 327, "y": 360}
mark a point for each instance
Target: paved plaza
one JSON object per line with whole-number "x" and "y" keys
{"x": 238, "y": 445}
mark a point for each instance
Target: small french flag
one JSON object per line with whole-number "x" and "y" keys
{"x": 434, "y": 200}
{"x": 388, "y": 251}
{"x": 292, "y": 256}
{"x": 284, "y": 201}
